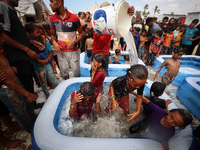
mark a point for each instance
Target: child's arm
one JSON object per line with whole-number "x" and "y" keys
{"x": 77, "y": 98}
{"x": 164, "y": 64}
{"x": 112, "y": 93}
{"x": 165, "y": 145}
{"x": 86, "y": 42}
{"x": 94, "y": 70}
{"x": 31, "y": 97}
{"x": 44, "y": 40}
{"x": 150, "y": 48}
{"x": 159, "y": 51}
{"x": 97, "y": 104}
{"x": 110, "y": 59}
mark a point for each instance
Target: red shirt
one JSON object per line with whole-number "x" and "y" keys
{"x": 98, "y": 82}
{"x": 66, "y": 27}
{"x": 101, "y": 44}
{"x": 83, "y": 108}
{"x": 156, "y": 43}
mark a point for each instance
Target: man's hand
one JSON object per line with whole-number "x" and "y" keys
{"x": 131, "y": 10}
{"x": 32, "y": 97}
{"x": 33, "y": 55}
{"x": 57, "y": 47}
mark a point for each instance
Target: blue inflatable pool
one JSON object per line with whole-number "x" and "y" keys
{"x": 114, "y": 70}
{"x": 189, "y": 93}
{"x": 190, "y": 67}
{"x": 46, "y": 135}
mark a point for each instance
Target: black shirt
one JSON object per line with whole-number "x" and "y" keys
{"x": 120, "y": 88}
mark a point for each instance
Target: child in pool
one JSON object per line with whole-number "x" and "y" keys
{"x": 172, "y": 65}
{"x": 89, "y": 45}
{"x": 160, "y": 125}
{"x": 115, "y": 57}
{"x": 121, "y": 87}
{"x": 82, "y": 102}
{"x": 156, "y": 90}
{"x": 126, "y": 59}
{"x": 98, "y": 67}
{"x": 34, "y": 34}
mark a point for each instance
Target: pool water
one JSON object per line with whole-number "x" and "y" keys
{"x": 107, "y": 125}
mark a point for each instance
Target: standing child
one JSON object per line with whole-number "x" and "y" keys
{"x": 120, "y": 88}
{"x": 34, "y": 34}
{"x": 126, "y": 59}
{"x": 82, "y": 102}
{"x": 89, "y": 45}
{"x": 166, "y": 49}
{"x": 98, "y": 73}
{"x": 155, "y": 48}
{"x": 143, "y": 39}
{"x": 160, "y": 125}
{"x": 178, "y": 39}
{"x": 172, "y": 65}
{"x": 137, "y": 37}
{"x": 176, "y": 31}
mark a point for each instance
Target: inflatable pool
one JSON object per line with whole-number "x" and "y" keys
{"x": 46, "y": 135}
{"x": 190, "y": 67}
{"x": 189, "y": 94}
{"x": 114, "y": 70}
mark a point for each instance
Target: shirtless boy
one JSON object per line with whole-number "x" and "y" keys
{"x": 15, "y": 97}
{"x": 89, "y": 45}
{"x": 172, "y": 65}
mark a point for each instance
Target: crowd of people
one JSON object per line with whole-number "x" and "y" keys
{"x": 36, "y": 52}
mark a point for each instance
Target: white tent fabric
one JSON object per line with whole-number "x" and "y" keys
{"x": 92, "y": 8}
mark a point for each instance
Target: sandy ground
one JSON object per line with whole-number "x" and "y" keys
{"x": 25, "y": 139}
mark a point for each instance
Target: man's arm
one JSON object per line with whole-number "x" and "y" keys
{"x": 9, "y": 41}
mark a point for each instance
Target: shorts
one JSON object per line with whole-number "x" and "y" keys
{"x": 89, "y": 53}
{"x": 122, "y": 101}
{"x": 114, "y": 62}
{"x": 167, "y": 80}
{"x": 19, "y": 106}
{"x": 141, "y": 52}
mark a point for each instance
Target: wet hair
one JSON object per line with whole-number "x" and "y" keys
{"x": 30, "y": 27}
{"x": 157, "y": 88}
{"x": 90, "y": 34}
{"x": 149, "y": 19}
{"x": 87, "y": 89}
{"x": 137, "y": 71}
{"x": 117, "y": 51}
{"x": 100, "y": 58}
{"x": 167, "y": 18}
{"x": 159, "y": 33}
{"x": 137, "y": 29}
{"x": 1, "y": 29}
{"x": 126, "y": 57}
{"x": 178, "y": 49}
{"x": 195, "y": 21}
{"x": 186, "y": 115}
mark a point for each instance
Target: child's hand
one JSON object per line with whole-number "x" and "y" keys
{"x": 2, "y": 76}
{"x": 99, "y": 98}
{"x": 32, "y": 97}
{"x": 77, "y": 98}
{"x": 115, "y": 105}
{"x": 133, "y": 116}
{"x": 94, "y": 68}
{"x": 157, "y": 55}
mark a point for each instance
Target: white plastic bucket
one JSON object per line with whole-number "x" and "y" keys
{"x": 112, "y": 20}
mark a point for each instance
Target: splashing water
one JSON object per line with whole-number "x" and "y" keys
{"x": 107, "y": 125}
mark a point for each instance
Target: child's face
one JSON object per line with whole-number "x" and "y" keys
{"x": 134, "y": 83}
{"x": 178, "y": 55}
{"x": 182, "y": 29}
{"x": 36, "y": 33}
{"x": 178, "y": 28}
{"x": 157, "y": 36}
{"x": 1, "y": 40}
{"x": 96, "y": 64}
{"x": 173, "y": 119}
{"x": 192, "y": 25}
{"x": 41, "y": 31}
{"x": 164, "y": 21}
{"x": 143, "y": 33}
{"x": 170, "y": 32}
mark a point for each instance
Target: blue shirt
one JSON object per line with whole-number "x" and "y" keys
{"x": 137, "y": 39}
{"x": 155, "y": 28}
{"x": 189, "y": 33}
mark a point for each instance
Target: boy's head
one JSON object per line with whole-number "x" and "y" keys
{"x": 178, "y": 27}
{"x": 178, "y": 52}
{"x": 87, "y": 90}
{"x": 136, "y": 30}
{"x": 41, "y": 29}
{"x": 46, "y": 27}
{"x": 193, "y": 23}
{"x": 182, "y": 28}
{"x": 149, "y": 21}
{"x": 117, "y": 51}
{"x": 1, "y": 37}
{"x": 138, "y": 18}
{"x": 158, "y": 34}
{"x": 90, "y": 34}
{"x": 157, "y": 89}
{"x": 165, "y": 20}
{"x": 171, "y": 30}
{"x": 32, "y": 29}
{"x": 126, "y": 57}
{"x": 144, "y": 32}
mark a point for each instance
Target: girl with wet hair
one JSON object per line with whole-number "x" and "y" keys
{"x": 121, "y": 87}
{"x": 160, "y": 125}
{"x": 82, "y": 102}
